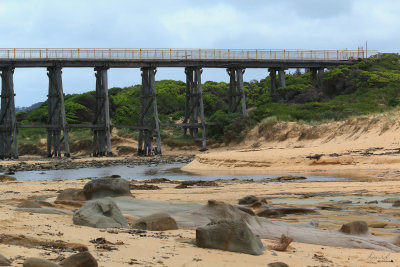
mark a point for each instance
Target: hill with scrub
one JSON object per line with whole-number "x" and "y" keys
{"x": 370, "y": 86}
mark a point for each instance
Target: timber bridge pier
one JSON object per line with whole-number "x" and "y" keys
{"x": 235, "y": 61}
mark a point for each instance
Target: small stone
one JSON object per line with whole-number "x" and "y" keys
{"x": 390, "y": 200}
{"x": 354, "y": 228}
{"x": 82, "y": 259}
{"x": 247, "y": 200}
{"x": 212, "y": 202}
{"x": 6, "y": 178}
{"x": 156, "y": 222}
{"x": 277, "y": 264}
{"x": 232, "y": 236}
{"x": 378, "y": 225}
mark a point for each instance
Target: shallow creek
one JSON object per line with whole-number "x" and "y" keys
{"x": 142, "y": 172}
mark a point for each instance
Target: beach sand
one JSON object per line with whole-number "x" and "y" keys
{"x": 175, "y": 248}
{"x": 363, "y": 149}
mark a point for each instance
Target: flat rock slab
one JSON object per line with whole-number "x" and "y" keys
{"x": 45, "y": 211}
{"x": 141, "y": 207}
{"x": 194, "y": 215}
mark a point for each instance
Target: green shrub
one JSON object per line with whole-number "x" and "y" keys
{"x": 229, "y": 126}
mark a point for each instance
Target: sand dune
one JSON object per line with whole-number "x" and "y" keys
{"x": 362, "y": 145}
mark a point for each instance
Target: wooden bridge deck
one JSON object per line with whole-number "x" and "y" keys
{"x": 208, "y": 58}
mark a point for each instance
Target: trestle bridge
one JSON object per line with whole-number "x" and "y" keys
{"x": 235, "y": 61}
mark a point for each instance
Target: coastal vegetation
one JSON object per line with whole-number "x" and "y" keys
{"x": 369, "y": 86}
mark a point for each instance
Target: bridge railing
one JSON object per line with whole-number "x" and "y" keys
{"x": 180, "y": 54}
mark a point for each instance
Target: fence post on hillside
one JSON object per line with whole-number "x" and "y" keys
{"x": 8, "y": 125}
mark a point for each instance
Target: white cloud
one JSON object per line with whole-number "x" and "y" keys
{"x": 289, "y": 24}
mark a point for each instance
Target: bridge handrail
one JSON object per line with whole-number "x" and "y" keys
{"x": 167, "y": 54}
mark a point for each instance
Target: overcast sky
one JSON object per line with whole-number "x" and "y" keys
{"x": 262, "y": 24}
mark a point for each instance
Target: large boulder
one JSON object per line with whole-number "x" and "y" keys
{"x": 156, "y": 222}
{"x": 106, "y": 187}
{"x": 354, "y": 228}
{"x": 232, "y": 235}
{"x": 36, "y": 262}
{"x": 100, "y": 213}
{"x": 82, "y": 259}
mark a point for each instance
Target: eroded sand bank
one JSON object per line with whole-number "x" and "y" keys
{"x": 363, "y": 147}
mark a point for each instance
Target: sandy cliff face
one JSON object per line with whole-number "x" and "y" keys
{"x": 369, "y": 142}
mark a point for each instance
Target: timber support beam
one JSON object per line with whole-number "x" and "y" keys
{"x": 237, "y": 99}
{"x": 317, "y": 75}
{"x": 273, "y": 83}
{"x": 8, "y": 125}
{"x": 102, "y": 135}
{"x": 194, "y": 107}
{"x": 148, "y": 115}
{"x": 56, "y": 115}
{"x": 281, "y": 78}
